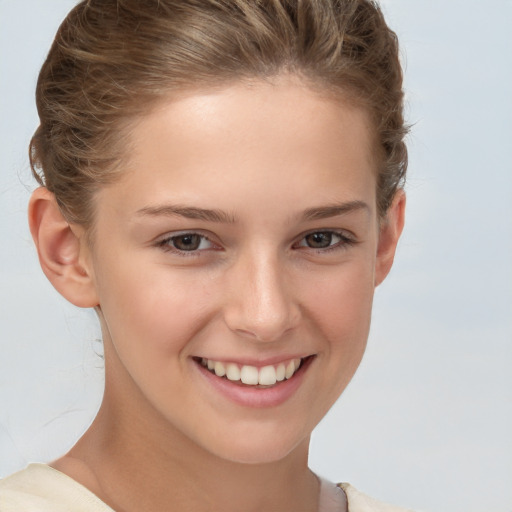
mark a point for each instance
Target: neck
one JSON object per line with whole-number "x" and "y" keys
{"x": 140, "y": 462}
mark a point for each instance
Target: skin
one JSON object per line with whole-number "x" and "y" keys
{"x": 279, "y": 162}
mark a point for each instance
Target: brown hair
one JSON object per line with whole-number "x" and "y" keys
{"x": 112, "y": 60}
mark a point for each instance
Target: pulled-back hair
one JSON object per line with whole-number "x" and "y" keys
{"x": 113, "y": 60}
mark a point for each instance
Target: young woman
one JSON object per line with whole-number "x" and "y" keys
{"x": 222, "y": 182}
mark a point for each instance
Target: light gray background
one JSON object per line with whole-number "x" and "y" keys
{"x": 427, "y": 421}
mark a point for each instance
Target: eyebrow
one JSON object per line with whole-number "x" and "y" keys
{"x": 334, "y": 210}
{"x": 189, "y": 212}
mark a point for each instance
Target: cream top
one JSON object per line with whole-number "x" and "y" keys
{"x": 40, "y": 488}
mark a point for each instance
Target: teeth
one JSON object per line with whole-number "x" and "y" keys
{"x": 280, "y": 372}
{"x": 220, "y": 371}
{"x": 267, "y": 376}
{"x": 290, "y": 369}
{"x": 251, "y": 375}
{"x": 233, "y": 372}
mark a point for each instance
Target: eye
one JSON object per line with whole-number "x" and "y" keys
{"x": 319, "y": 240}
{"x": 186, "y": 242}
{"x": 325, "y": 240}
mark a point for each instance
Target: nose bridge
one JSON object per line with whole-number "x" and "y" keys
{"x": 261, "y": 304}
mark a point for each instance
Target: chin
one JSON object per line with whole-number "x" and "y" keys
{"x": 260, "y": 448}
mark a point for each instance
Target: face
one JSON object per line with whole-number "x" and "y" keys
{"x": 243, "y": 240}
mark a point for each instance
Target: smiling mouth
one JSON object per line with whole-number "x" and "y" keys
{"x": 262, "y": 377}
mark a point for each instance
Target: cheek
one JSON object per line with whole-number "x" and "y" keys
{"x": 157, "y": 311}
{"x": 340, "y": 302}
{"x": 340, "y": 309}
{"x": 149, "y": 323}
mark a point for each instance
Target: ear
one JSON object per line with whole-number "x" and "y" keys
{"x": 389, "y": 232}
{"x": 60, "y": 250}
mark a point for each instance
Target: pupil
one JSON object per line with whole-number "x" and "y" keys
{"x": 319, "y": 240}
{"x": 187, "y": 242}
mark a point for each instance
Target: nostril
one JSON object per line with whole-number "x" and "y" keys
{"x": 262, "y": 334}
{"x": 245, "y": 333}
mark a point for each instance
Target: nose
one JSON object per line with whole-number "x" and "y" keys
{"x": 260, "y": 304}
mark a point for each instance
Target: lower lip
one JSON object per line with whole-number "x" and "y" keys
{"x": 256, "y": 397}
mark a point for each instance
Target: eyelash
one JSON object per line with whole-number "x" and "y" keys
{"x": 343, "y": 242}
{"x": 166, "y": 244}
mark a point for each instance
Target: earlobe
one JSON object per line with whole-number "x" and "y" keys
{"x": 60, "y": 250}
{"x": 390, "y": 231}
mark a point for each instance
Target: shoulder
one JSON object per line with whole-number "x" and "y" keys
{"x": 359, "y": 502}
{"x": 40, "y": 488}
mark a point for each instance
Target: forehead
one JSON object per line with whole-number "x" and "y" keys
{"x": 276, "y": 139}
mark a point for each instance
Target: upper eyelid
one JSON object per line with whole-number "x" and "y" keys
{"x": 175, "y": 234}
{"x": 346, "y": 239}
{"x": 164, "y": 242}
{"x": 344, "y": 233}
